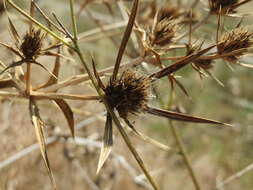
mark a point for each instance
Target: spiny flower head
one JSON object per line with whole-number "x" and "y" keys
{"x": 237, "y": 39}
{"x": 128, "y": 94}
{"x": 169, "y": 13}
{"x": 226, "y": 6}
{"x": 181, "y": 15}
{"x": 204, "y": 64}
{"x": 31, "y": 44}
{"x": 164, "y": 32}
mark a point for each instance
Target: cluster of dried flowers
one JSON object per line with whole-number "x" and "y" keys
{"x": 159, "y": 31}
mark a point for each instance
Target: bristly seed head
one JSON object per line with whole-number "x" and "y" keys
{"x": 226, "y": 6}
{"x": 128, "y": 94}
{"x": 31, "y": 44}
{"x": 237, "y": 39}
{"x": 164, "y": 32}
{"x": 204, "y": 64}
{"x": 169, "y": 13}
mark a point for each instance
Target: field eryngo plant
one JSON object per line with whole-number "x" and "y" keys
{"x": 154, "y": 33}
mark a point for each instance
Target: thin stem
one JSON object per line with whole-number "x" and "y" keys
{"x": 73, "y": 19}
{"x": 28, "y": 78}
{"x": 38, "y": 23}
{"x": 131, "y": 147}
{"x": 10, "y": 94}
{"x": 41, "y": 95}
{"x": 195, "y": 27}
{"x": 182, "y": 149}
{"x": 84, "y": 77}
{"x": 184, "y": 155}
{"x": 234, "y": 176}
{"x": 96, "y": 31}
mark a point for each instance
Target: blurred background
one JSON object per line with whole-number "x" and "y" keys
{"x": 215, "y": 152}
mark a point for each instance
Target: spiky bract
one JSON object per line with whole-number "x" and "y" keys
{"x": 31, "y": 44}
{"x": 128, "y": 94}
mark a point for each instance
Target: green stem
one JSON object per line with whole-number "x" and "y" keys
{"x": 131, "y": 147}
{"x": 38, "y": 24}
{"x": 182, "y": 149}
{"x": 73, "y": 18}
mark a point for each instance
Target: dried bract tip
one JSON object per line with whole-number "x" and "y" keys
{"x": 169, "y": 13}
{"x": 31, "y": 44}
{"x": 1, "y": 8}
{"x": 234, "y": 41}
{"x": 204, "y": 64}
{"x": 183, "y": 16}
{"x": 164, "y": 32}
{"x": 225, "y": 6}
{"x": 128, "y": 94}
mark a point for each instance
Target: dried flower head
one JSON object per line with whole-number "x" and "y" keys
{"x": 128, "y": 94}
{"x": 226, "y": 6}
{"x": 164, "y": 32}
{"x": 204, "y": 64}
{"x": 31, "y": 44}
{"x": 184, "y": 16}
{"x": 235, "y": 42}
{"x": 169, "y": 13}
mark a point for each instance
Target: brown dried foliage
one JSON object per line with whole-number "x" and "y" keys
{"x": 164, "y": 32}
{"x": 233, "y": 41}
{"x": 225, "y": 6}
{"x": 31, "y": 44}
{"x": 129, "y": 93}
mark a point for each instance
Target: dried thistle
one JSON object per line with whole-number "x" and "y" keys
{"x": 164, "y": 31}
{"x": 205, "y": 64}
{"x": 198, "y": 64}
{"x": 31, "y": 44}
{"x": 29, "y": 48}
{"x": 235, "y": 43}
{"x": 128, "y": 94}
{"x": 225, "y": 6}
{"x": 169, "y": 12}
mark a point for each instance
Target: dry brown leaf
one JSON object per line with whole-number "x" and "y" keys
{"x": 178, "y": 65}
{"x": 11, "y": 49}
{"x": 181, "y": 117}
{"x": 39, "y": 125}
{"x": 107, "y": 143}
{"x": 8, "y": 83}
{"x": 14, "y": 31}
{"x": 65, "y": 108}
{"x": 52, "y": 80}
{"x": 125, "y": 38}
{"x": 100, "y": 83}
